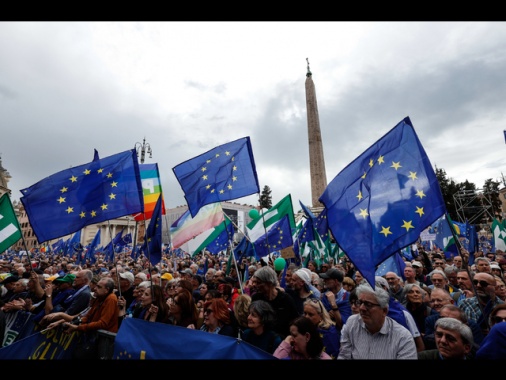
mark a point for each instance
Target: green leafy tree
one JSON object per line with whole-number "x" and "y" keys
{"x": 448, "y": 188}
{"x": 266, "y": 198}
{"x": 491, "y": 192}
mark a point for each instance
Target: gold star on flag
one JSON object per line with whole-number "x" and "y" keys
{"x": 396, "y": 165}
{"x": 407, "y": 225}
{"x": 363, "y": 213}
{"x": 385, "y": 231}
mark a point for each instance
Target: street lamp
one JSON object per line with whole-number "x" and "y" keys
{"x": 144, "y": 147}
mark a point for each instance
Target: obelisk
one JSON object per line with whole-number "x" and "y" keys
{"x": 316, "y": 159}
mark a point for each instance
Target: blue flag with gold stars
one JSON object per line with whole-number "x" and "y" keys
{"x": 153, "y": 239}
{"x": 277, "y": 238}
{"x": 383, "y": 200}
{"x": 221, "y": 174}
{"x": 71, "y": 199}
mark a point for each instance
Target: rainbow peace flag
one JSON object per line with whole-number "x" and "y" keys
{"x": 151, "y": 189}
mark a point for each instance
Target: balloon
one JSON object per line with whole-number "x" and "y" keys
{"x": 279, "y": 264}
{"x": 253, "y": 213}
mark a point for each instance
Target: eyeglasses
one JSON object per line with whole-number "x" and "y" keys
{"x": 438, "y": 263}
{"x": 482, "y": 283}
{"x": 208, "y": 311}
{"x": 368, "y": 305}
{"x": 497, "y": 319}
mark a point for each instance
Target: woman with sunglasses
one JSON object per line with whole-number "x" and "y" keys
{"x": 217, "y": 318}
{"x": 319, "y": 316}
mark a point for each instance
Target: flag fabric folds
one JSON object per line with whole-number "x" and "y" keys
{"x": 267, "y": 219}
{"x": 151, "y": 189}
{"x": 219, "y": 238}
{"x": 10, "y": 232}
{"x": 90, "y": 254}
{"x": 444, "y": 237}
{"x": 153, "y": 240}
{"x": 384, "y": 199}
{"x": 220, "y": 174}
{"x": 110, "y": 248}
{"x": 245, "y": 248}
{"x": 73, "y": 243}
{"x": 139, "y": 339}
{"x": 499, "y": 233}
{"x": 277, "y": 238}
{"x": 71, "y": 199}
{"x": 187, "y": 227}
{"x": 394, "y": 263}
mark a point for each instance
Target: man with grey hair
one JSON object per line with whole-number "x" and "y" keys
{"x": 265, "y": 285}
{"x": 371, "y": 334}
{"x": 454, "y": 340}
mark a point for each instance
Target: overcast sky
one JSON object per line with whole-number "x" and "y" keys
{"x": 67, "y": 88}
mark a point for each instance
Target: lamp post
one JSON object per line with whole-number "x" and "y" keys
{"x": 144, "y": 147}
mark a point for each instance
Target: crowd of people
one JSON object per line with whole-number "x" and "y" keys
{"x": 439, "y": 308}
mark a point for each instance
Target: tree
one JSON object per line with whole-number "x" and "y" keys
{"x": 448, "y": 188}
{"x": 491, "y": 192}
{"x": 266, "y": 198}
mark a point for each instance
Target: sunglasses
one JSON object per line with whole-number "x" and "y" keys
{"x": 482, "y": 283}
{"x": 208, "y": 311}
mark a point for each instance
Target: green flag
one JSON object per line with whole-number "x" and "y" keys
{"x": 10, "y": 232}
{"x": 207, "y": 237}
{"x": 259, "y": 227}
{"x": 499, "y": 233}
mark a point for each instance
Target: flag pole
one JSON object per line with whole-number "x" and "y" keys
{"x": 231, "y": 248}
{"x": 236, "y": 226}
{"x": 113, "y": 254}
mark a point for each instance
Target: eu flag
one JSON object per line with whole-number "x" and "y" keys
{"x": 92, "y": 248}
{"x": 154, "y": 233}
{"x": 384, "y": 199}
{"x": 69, "y": 200}
{"x": 221, "y": 174}
{"x": 277, "y": 238}
{"x": 223, "y": 239}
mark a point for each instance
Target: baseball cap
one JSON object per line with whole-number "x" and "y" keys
{"x": 333, "y": 273}
{"x": 10, "y": 279}
{"x": 67, "y": 278}
{"x": 166, "y": 276}
{"x": 128, "y": 276}
{"x": 417, "y": 264}
{"x": 187, "y": 271}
